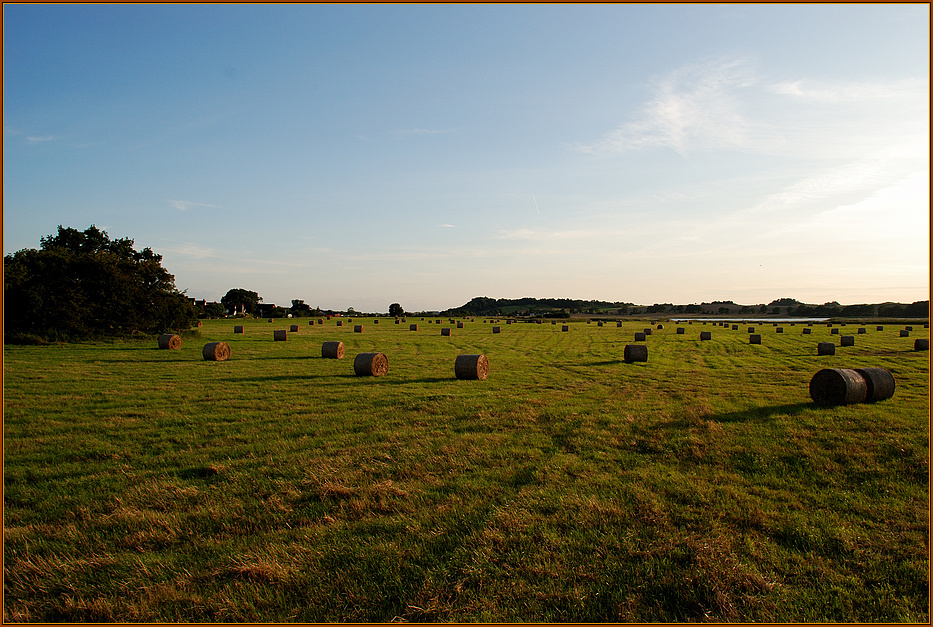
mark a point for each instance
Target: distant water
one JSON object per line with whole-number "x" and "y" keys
{"x": 752, "y": 319}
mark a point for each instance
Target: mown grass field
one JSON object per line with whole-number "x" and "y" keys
{"x": 151, "y": 485}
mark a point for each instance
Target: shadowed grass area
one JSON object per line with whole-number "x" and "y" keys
{"x": 151, "y": 485}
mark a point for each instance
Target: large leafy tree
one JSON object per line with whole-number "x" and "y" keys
{"x": 245, "y": 299}
{"x": 82, "y": 284}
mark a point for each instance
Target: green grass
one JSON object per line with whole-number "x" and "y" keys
{"x": 150, "y": 485}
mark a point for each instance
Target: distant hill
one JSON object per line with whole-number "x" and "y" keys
{"x": 565, "y": 307}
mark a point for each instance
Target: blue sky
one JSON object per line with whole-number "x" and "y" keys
{"x": 356, "y": 156}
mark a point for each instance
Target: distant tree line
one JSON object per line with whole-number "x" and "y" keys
{"x": 82, "y": 285}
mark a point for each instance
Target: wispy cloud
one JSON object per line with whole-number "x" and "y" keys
{"x": 184, "y": 205}
{"x": 38, "y": 139}
{"x": 448, "y": 226}
{"x": 850, "y": 92}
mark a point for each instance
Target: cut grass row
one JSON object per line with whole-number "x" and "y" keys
{"x": 150, "y": 485}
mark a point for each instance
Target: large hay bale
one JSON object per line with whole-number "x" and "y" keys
{"x": 169, "y": 341}
{"x": 838, "y": 386}
{"x": 879, "y": 382}
{"x": 921, "y": 344}
{"x": 706, "y": 335}
{"x": 332, "y": 350}
{"x": 472, "y": 367}
{"x": 825, "y": 348}
{"x": 640, "y": 337}
{"x": 904, "y": 333}
{"x": 293, "y": 328}
{"x": 412, "y": 327}
{"x": 358, "y": 328}
{"x": 371, "y": 365}
{"x": 238, "y": 328}
{"x": 445, "y": 331}
{"x": 681, "y": 331}
{"x": 280, "y": 335}
{"x": 635, "y": 352}
{"x": 754, "y": 338}
{"x": 847, "y": 340}
{"x": 216, "y": 351}
{"x": 565, "y": 328}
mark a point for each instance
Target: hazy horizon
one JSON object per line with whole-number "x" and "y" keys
{"x": 361, "y": 155}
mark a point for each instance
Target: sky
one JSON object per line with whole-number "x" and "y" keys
{"x": 363, "y": 155}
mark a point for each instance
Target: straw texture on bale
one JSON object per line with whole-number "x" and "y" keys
{"x": 471, "y": 367}
{"x": 293, "y": 328}
{"x": 825, "y": 348}
{"x": 754, "y": 338}
{"x": 280, "y": 335}
{"x": 497, "y": 329}
{"x": 332, "y": 350}
{"x": 635, "y": 352}
{"x": 838, "y": 386}
{"x": 358, "y": 328}
{"x": 412, "y": 327}
{"x": 847, "y": 340}
{"x": 921, "y": 344}
{"x": 879, "y": 383}
{"x": 640, "y": 337}
{"x": 371, "y": 365}
{"x": 565, "y": 328}
{"x": 905, "y": 333}
{"x": 445, "y": 331}
{"x": 169, "y": 341}
{"x": 681, "y": 330}
{"x": 216, "y": 351}
{"x": 238, "y": 328}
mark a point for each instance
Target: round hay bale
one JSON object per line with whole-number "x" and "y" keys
{"x": 412, "y": 327}
{"x": 681, "y": 330}
{"x": 321, "y": 320}
{"x": 169, "y": 341}
{"x": 371, "y": 365}
{"x": 619, "y": 324}
{"x": 445, "y": 331}
{"x": 807, "y": 330}
{"x": 847, "y": 340}
{"x": 838, "y": 386}
{"x": 397, "y": 321}
{"x": 270, "y": 319}
{"x": 779, "y": 330}
{"x": 216, "y": 351}
{"x": 706, "y": 335}
{"x": 459, "y": 325}
{"x": 904, "y": 333}
{"x": 358, "y": 328}
{"x": 825, "y": 348}
{"x": 340, "y": 323}
{"x": 471, "y": 367}
{"x": 375, "y": 322}
{"x": 508, "y": 322}
{"x": 754, "y": 338}
{"x": 311, "y": 323}
{"x": 751, "y": 329}
{"x": 332, "y": 350}
{"x": 660, "y": 326}
{"x": 640, "y": 337}
{"x": 879, "y": 328}
{"x": 553, "y": 322}
{"x": 861, "y": 331}
{"x": 635, "y": 352}
{"x": 735, "y": 327}
{"x": 280, "y": 335}
{"x": 199, "y": 324}
{"x": 238, "y": 328}
{"x": 565, "y": 328}
{"x": 497, "y": 329}
{"x": 921, "y": 344}
{"x": 293, "y": 328}
{"x": 880, "y": 384}
{"x": 648, "y": 331}
{"x": 834, "y": 331}
{"x": 908, "y": 328}
{"x": 599, "y": 324}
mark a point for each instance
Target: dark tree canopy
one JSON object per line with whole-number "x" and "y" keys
{"x": 396, "y": 310}
{"x": 81, "y": 285}
{"x": 245, "y": 299}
